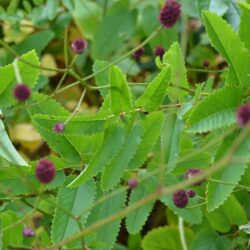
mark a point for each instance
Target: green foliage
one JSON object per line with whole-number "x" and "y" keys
{"x": 219, "y": 7}
{"x": 244, "y": 23}
{"x": 155, "y": 92}
{"x": 76, "y": 201}
{"x": 8, "y": 80}
{"x": 222, "y": 37}
{"x": 165, "y": 238}
{"x": 120, "y": 96}
{"x": 216, "y": 111}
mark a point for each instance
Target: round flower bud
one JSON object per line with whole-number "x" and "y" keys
{"x": 133, "y": 183}
{"x": 243, "y": 114}
{"x": 191, "y": 193}
{"x": 28, "y": 232}
{"x": 191, "y": 172}
{"x": 206, "y": 63}
{"x": 170, "y": 13}
{"x": 45, "y": 171}
{"x": 79, "y": 45}
{"x": 180, "y": 198}
{"x": 159, "y": 51}
{"x": 59, "y": 127}
{"x": 138, "y": 54}
{"x": 22, "y": 92}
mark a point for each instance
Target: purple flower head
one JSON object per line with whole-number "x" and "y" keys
{"x": 191, "y": 193}
{"x": 22, "y": 92}
{"x": 45, "y": 171}
{"x": 59, "y": 127}
{"x": 170, "y": 13}
{"x": 79, "y": 45}
{"x": 206, "y": 63}
{"x": 28, "y": 232}
{"x": 133, "y": 183}
{"x": 191, "y": 172}
{"x": 159, "y": 51}
{"x": 180, "y": 198}
{"x": 138, "y": 54}
{"x": 243, "y": 114}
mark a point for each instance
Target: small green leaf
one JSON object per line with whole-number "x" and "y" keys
{"x": 222, "y": 37}
{"x": 113, "y": 140}
{"x": 216, "y": 111}
{"x": 155, "y": 92}
{"x": 76, "y": 201}
{"x": 136, "y": 219}
{"x": 121, "y": 100}
{"x": 152, "y": 126}
{"x": 115, "y": 169}
{"x": 166, "y": 238}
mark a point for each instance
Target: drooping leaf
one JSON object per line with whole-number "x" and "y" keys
{"x": 217, "y": 193}
{"x": 76, "y": 201}
{"x": 107, "y": 234}
{"x": 136, "y": 219}
{"x": 222, "y": 37}
{"x": 113, "y": 140}
{"x": 115, "y": 169}
{"x": 155, "y": 92}
{"x": 8, "y": 79}
{"x": 166, "y": 238}
{"x": 216, "y": 111}
{"x": 152, "y": 126}
{"x": 121, "y": 100}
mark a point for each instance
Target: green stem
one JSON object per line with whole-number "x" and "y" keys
{"x": 182, "y": 233}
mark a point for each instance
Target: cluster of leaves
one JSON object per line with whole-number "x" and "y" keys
{"x": 153, "y": 131}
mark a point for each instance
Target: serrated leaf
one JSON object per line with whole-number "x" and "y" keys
{"x": 76, "y": 201}
{"x": 121, "y": 99}
{"x": 7, "y": 150}
{"x": 8, "y": 80}
{"x": 174, "y": 58}
{"x": 166, "y": 238}
{"x": 152, "y": 126}
{"x": 208, "y": 239}
{"x": 107, "y": 234}
{"x": 190, "y": 215}
{"x": 113, "y": 140}
{"x": 136, "y": 219}
{"x": 222, "y": 37}
{"x": 155, "y": 92}
{"x": 115, "y": 169}
{"x": 221, "y": 219}
{"x": 217, "y": 193}
{"x": 245, "y": 24}
{"x": 170, "y": 140}
{"x": 216, "y": 111}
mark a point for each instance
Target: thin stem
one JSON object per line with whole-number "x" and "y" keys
{"x": 229, "y": 183}
{"x": 65, "y": 48}
{"x": 182, "y": 233}
{"x": 77, "y": 107}
{"x": 198, "y": 205}
{"x": 207, "y": 70}
{"x": 17, "y": 72}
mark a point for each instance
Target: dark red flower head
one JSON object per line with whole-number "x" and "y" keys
{"x": 191, "y": 172}
{"x": 133, "y": 183}
{"x": 159, "y": 51}
{"x": 28, "y": 232}
{"x": 206, "y": 63}
{"x": 22, "y": 92}
{"x": 59, "y": 127}
{"x": 138, "y": 54}
{"x": 45, "y": 171}
{"x": 243, "y": 114}
{"x": 170, "y": 13}
{"x": 180, "y": 198}
{"x": 191, "y": 193}
{"x": 79, "y": 45}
